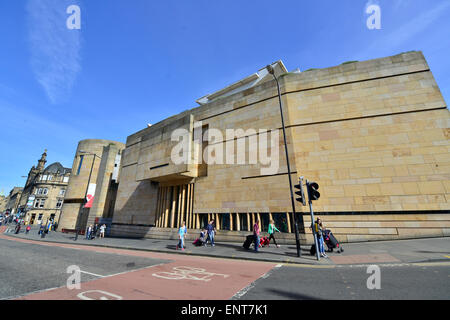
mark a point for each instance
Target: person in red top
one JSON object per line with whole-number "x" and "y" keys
{"x": 256, "y": 235}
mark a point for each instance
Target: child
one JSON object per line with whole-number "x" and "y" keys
{"x": 181, "y": 234}
{"x": 203, "y": 237}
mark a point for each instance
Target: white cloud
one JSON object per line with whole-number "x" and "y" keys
{"x": 408, "y": 31}
{"x": 55, "y": 50}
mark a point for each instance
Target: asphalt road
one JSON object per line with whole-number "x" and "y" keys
{"x": 397, "y": 282}
{"x": 27, "y": 268}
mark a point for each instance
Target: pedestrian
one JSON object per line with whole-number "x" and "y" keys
{"x": 88, "y": 232}
{"x": 28, "y": 229}
{"x": 102, "y": 230}
{"x": 319, "y": 235}
{"x": 17, "y": 228}
{"x": 203, "y": 237}
{"x": 41, "y": 229}
{"x": 256, "y": 233}
{"x": 49, "y": 227}
{"x": 181, "y": 234}
{"x": 95, "y": 230}
{"x": 271, "y": 231}
{"x": 211, "y": 230}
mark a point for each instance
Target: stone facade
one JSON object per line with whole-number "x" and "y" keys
{"x": 43, "y": 194}
{"x": 374, "y": 135}
{"x": 13, "y": 199}
{"x": 3, "y": 203}
{"x": 94, "y": 164}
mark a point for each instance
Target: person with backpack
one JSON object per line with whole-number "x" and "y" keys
{"x": 271, "y": 232}
{"x": 181, "y": 234}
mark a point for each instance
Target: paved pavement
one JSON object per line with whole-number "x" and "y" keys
{"x": 377, "y": 252}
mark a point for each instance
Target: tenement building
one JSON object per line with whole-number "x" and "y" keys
{"x": 12, "y": 200}
{"x": 92, "y": 189}
{"x": 374, "y": 135}
{"x": 43, "y": 194}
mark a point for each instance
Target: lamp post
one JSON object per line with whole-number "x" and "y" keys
{"x": 297, "y": 238}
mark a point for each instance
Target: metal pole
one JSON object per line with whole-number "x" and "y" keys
{"x": 312, "y": 222}
{"x": 297, "y": 238}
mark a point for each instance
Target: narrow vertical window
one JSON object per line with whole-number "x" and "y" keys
{"x": 80, "y": 164}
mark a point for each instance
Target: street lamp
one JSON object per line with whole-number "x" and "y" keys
{"x": 297, "y": 238}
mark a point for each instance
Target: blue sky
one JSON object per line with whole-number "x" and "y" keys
{"x": 138, "y": 62}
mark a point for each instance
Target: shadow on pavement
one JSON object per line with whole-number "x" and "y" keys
{"x": 293, "y": 296}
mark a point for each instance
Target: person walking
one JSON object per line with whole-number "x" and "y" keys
{"x": 181, "y": 234}
{"x": 28, "y": 229}
{"x": 271, "y": 232}
{"x": 319, "y": 234}
{"x": 89, "y": 232}
{"x": 256, "y": 233}
{"x": 102, "y": 230}
{"x": 49, "y": 227}
{"x": 211, "y": 230}
{"x": 96, "y": 230}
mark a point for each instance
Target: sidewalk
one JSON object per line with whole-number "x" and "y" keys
{"x": 379, "y": 252}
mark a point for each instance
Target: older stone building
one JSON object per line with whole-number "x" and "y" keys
{"x": 12, "y": 200}
{"x": 3, "y": 203}
{"x": 374, "y": 135}
{"x": 92, "y": 190}
{"x": 43, "y": 194}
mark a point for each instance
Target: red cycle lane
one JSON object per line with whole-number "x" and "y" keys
{"x": 185, "y": 277}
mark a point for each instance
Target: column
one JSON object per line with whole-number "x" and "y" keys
{"x": 231, "y": 221}
{"x": 288, "y": 222}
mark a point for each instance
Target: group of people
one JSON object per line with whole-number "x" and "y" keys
{"x": 93, "y": 231}
{"x": 257, "y": 234}
{"x": 206, "y": 234}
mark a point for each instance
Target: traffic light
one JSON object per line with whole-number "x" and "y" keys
{"x": 312, "y": 190}
{"x": 300, "y": 193}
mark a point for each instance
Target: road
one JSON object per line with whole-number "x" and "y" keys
{"x": 30, "y": 270}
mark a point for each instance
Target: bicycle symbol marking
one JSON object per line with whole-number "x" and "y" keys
{"x": 188, "y": 273}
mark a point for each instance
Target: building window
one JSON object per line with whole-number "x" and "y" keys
{"x": 39, "y": 203}
{"x": 280, "y": 221}
{"x": 40, "y": 217}
{"x": 203, "y": 219}
{"x": 59, "y": 203}
{"x": 264, "y": 223}
{"x": 225, "y": 221}
{"x": 80, "y": 164}
{"x": 66, "y": 179}
{"x": 45, "y": 191}
{"x": 44, "y": 177}
{"x": 243, "y": 221}
{"x": 50, "y": 178}
{"x": 62, "y": 192}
